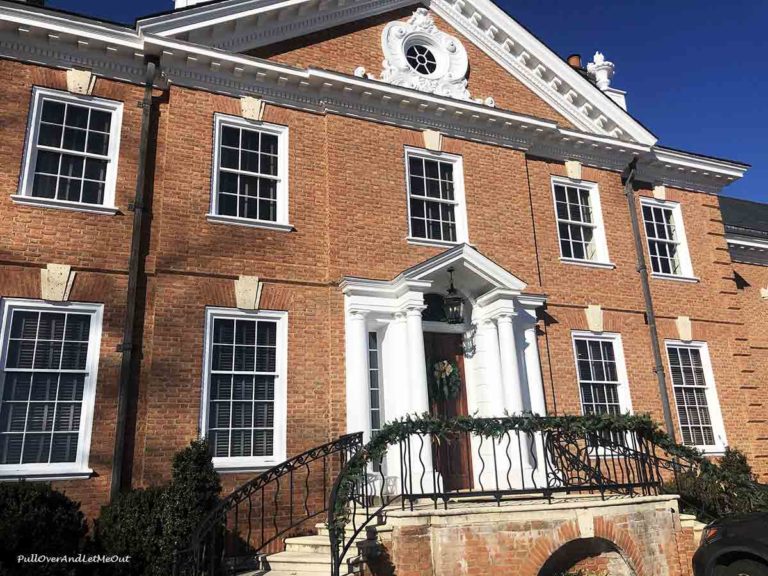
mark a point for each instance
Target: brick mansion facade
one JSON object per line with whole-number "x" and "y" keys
{"x": 234, "y": 221}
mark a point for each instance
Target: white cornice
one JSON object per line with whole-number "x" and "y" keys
{"x": 248, "y": 24}
{"x": 540, "y": 69}
{"x": 113, "y": 53}
{"x": 748, "y": 242}
{"x": 245, "y": 25}
{"x": 24, "y": 15}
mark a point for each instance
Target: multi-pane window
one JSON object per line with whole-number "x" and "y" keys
{"x": 72, "y": 150}
{"x": 598, "y": 376}
{"x": 244, "y": 387}
{"x": 46, "y": 384}
{"x": 374, "y": 382}
{"x": 691, "y": 395}
{"x": 250, "y": 179}
{"x": 434, "y": 199}
{"x": 575, "y": 222}
{"x": 663, "y": 239}
{"x": 601, "y": 378}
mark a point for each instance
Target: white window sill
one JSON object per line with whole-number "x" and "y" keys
{"x": 235, "y": 465}
{"x": 676, "y": 278}
{"x": 437, "y": 243}
{"x": 588, "y": 263}
{"x": 234, "y": 220}
{"x": 711, "y": 450}
{"x": 63, "y": 205}
{"x": 40, "y": 474}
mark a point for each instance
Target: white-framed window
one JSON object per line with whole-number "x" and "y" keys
{"x": 698, "y": 408}
{"x": 48, "y": 368}
{"x": 374, "y": 382}
{"x": 250, "y": 173}
{"x": 603, "y": 384}
{"x": 602, "y": 374}
{"x": 244, "y": 387}
{"x": 665, "y": 235}
{"x": 579, "y": 217}
{"x": 436, "y": 207}
{"x": 71, "y": 154}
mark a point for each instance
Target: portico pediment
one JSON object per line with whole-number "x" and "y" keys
{"x": 475, "y": 275}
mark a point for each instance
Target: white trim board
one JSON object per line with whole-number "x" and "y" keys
{"x": 37, "y": 39}
{"x": 247, "y": 24}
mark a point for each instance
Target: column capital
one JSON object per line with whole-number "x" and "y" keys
{"x": 357, "y": 314}
{"x": 505, "y": 317}
{"x": 414, "y": 310}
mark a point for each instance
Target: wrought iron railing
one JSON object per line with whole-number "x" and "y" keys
{"x": 432, "y": 462}
{"x": 254, "y": 519}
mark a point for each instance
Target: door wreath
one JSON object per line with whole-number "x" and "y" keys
{"x": 445, "y": 381}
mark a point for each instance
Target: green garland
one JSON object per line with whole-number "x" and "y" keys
{"x": 426, "y": 424}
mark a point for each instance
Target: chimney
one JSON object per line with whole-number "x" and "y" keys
{"x": 601, "y": 71}
{"x": 574, "y": 61}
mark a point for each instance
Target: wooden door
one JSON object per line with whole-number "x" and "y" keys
{"x": 453, "y": 457}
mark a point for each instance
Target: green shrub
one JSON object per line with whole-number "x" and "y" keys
{"x": 35, "y": 519}
{"x": 149, "y": 525}
{"x": 193, "y": 492}
{"x": 130, "y": 526}
{"x": 728, "y": 487}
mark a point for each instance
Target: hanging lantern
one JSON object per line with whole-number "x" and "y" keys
{"x": 453, "y": 304}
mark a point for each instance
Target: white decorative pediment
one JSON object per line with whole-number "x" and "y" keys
{"x": 417, "y": 55}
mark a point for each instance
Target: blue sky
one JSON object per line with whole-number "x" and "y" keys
{"x": 695, "y": 71}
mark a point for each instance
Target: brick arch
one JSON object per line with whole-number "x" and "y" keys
{"x": 546, "y": 546}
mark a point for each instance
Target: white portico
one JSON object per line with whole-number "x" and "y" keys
{"x": 386, "y": 375}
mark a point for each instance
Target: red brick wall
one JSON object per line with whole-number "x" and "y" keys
{"x": 750, "y": 371}
{"x": 644, "y": 539}
{"x": 95, "y": 245}
{"x": 348, "y": 207}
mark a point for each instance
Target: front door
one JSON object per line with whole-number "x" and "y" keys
{"x": 452, "y": 457}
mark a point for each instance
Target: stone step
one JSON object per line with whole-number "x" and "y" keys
{"x": 308, "y": 544}
{"x": 322, "y": 529}
{"x": 295, "y": 563}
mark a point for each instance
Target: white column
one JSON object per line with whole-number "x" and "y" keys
{"x": 510, "y": 368}
{"x": 493, "y": 391}
{"x": 421, "y": 466}
{"x": 395, "y": 370}
{"x": 417, "y": 363}
{"x": 358, "y": 398}
{"x": 513, "y": 392}
{"x": 533, "y": 372}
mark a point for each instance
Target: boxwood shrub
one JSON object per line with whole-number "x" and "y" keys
{"x": 149, "y": 525}
{"x": 35, "y": 519}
